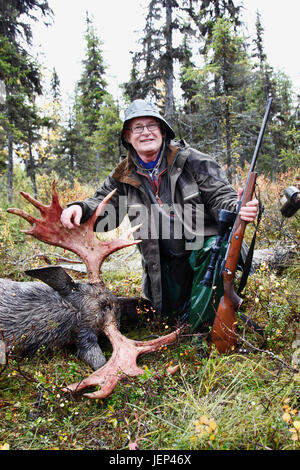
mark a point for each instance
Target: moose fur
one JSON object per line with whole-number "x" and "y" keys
{"x": 54, "y": 314}
{"x": 60, "y": 310}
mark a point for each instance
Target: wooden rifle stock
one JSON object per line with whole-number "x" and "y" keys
{"x": 223, "y": 333}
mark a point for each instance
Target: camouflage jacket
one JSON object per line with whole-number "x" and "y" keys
{"x": 187, "y": 177}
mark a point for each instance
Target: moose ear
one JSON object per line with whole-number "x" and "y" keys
{"x": 55, "y": 276}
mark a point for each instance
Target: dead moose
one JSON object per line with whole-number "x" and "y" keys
{"x": 61, "y": 310}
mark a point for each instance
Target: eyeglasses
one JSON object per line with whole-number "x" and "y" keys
{"x": 139, "y": 129}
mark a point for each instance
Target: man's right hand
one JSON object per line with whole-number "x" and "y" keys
{"x": 71, "y": 216}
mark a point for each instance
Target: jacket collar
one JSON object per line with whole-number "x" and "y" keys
{"x": 125, "y": 172}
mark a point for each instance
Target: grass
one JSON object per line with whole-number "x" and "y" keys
{"x": 232, "y": 402}
{"x": 244, "y": 397}
{"x": 229, "y": 402}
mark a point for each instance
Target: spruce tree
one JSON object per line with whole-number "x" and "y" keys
{"x": 222, "y": 82}
{"x": 55, "y": 85}
{"x": 92, "y": 84}
{"x": 153, "y": 68}
{"x": 12, "y": 14}
{"x": 266, "y": 82}
{"x": 22, "y": 80}
{"x": 87, "y": 139}
{"x": 204, "y": 14}
{"x": 18, "y": 71}
{"x": 67, "y": 148}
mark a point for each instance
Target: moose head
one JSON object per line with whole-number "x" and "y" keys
{"x": 84, "y": 242}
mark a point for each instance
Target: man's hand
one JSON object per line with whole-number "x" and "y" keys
{"x": 249, "y": 212}
{"x": 71, "y": 216}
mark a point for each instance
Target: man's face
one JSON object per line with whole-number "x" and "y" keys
{"x": 147, "y": 143}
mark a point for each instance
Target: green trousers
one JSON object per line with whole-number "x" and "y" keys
{"x": 183, "y": 294}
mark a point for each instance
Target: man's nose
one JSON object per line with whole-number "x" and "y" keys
{"x": 146, "y": 130}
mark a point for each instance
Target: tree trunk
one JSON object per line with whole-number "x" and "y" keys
{"x": 169, "y": 99}
{"x": 216, "y": 112}
{"x": 72, "y": 168}
{"x": 32, "y": 170}
{"x": 228, "y": 143}
{"x": 10, "y": 169}
{"x": 97, "y": 167}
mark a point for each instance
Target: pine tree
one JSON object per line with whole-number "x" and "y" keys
{"x": 89, "y": 140}
{"x": 153, "y": 68}
{"x": 12, "y": 25}
{"x": 22, "y": 81}
{"x": 18, "y": 71}
{"x": 55, "y": 85}
{"x": 222, "y": 82}
{"x": 92, "y": 84}
{"x": 266, "y": 82}
{"x": 66, "y": 149}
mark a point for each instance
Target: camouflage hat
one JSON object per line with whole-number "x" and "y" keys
{"x": 140, "y": 108}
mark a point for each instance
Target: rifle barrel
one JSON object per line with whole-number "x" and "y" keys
{"x": 253, "y": 162}
{"x": 261, "y": 134}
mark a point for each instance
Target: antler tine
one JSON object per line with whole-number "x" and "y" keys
{"x": 99, "y": 210}
{"x": 124, "y": 240}
{"x": 122, "y": 362}
{"x": 132, "y": 230}
{"x": 101, "y": 206}
{"x": 41, "y": 207}
{"x": 82, "y": 240}
{"x": 32, "y": 220}
{"x": 55, "y": 200}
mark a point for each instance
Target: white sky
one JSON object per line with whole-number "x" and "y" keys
{"x": 62, "y": 45}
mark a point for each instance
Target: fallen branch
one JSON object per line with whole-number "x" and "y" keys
{"x": 269, "y": 353}
{"x": 49, "y": 259}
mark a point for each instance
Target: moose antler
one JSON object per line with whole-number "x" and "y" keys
{"x": 81, "y": 241}
{"x": 122, "y": 362}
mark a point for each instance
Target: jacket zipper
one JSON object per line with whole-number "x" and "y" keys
{"x": 158, "y": 187}
{"x": 155, "y": 189}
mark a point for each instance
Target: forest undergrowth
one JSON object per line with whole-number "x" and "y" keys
{"x": 246, "y": 400}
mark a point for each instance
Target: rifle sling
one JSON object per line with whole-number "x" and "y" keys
{"x": 247, "y": 267}
{"x": 249, "y": 258}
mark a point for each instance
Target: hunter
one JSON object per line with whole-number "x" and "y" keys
{"x": 161, "y": 178}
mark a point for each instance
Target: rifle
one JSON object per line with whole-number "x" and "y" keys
{"x": 223, "y": 333}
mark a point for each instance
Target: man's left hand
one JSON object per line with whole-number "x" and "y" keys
{"x": 249, "y": 212}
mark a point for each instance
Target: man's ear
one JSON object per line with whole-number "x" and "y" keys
{"x": 126, "y": 135}
{"x": 163, "y": 130}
